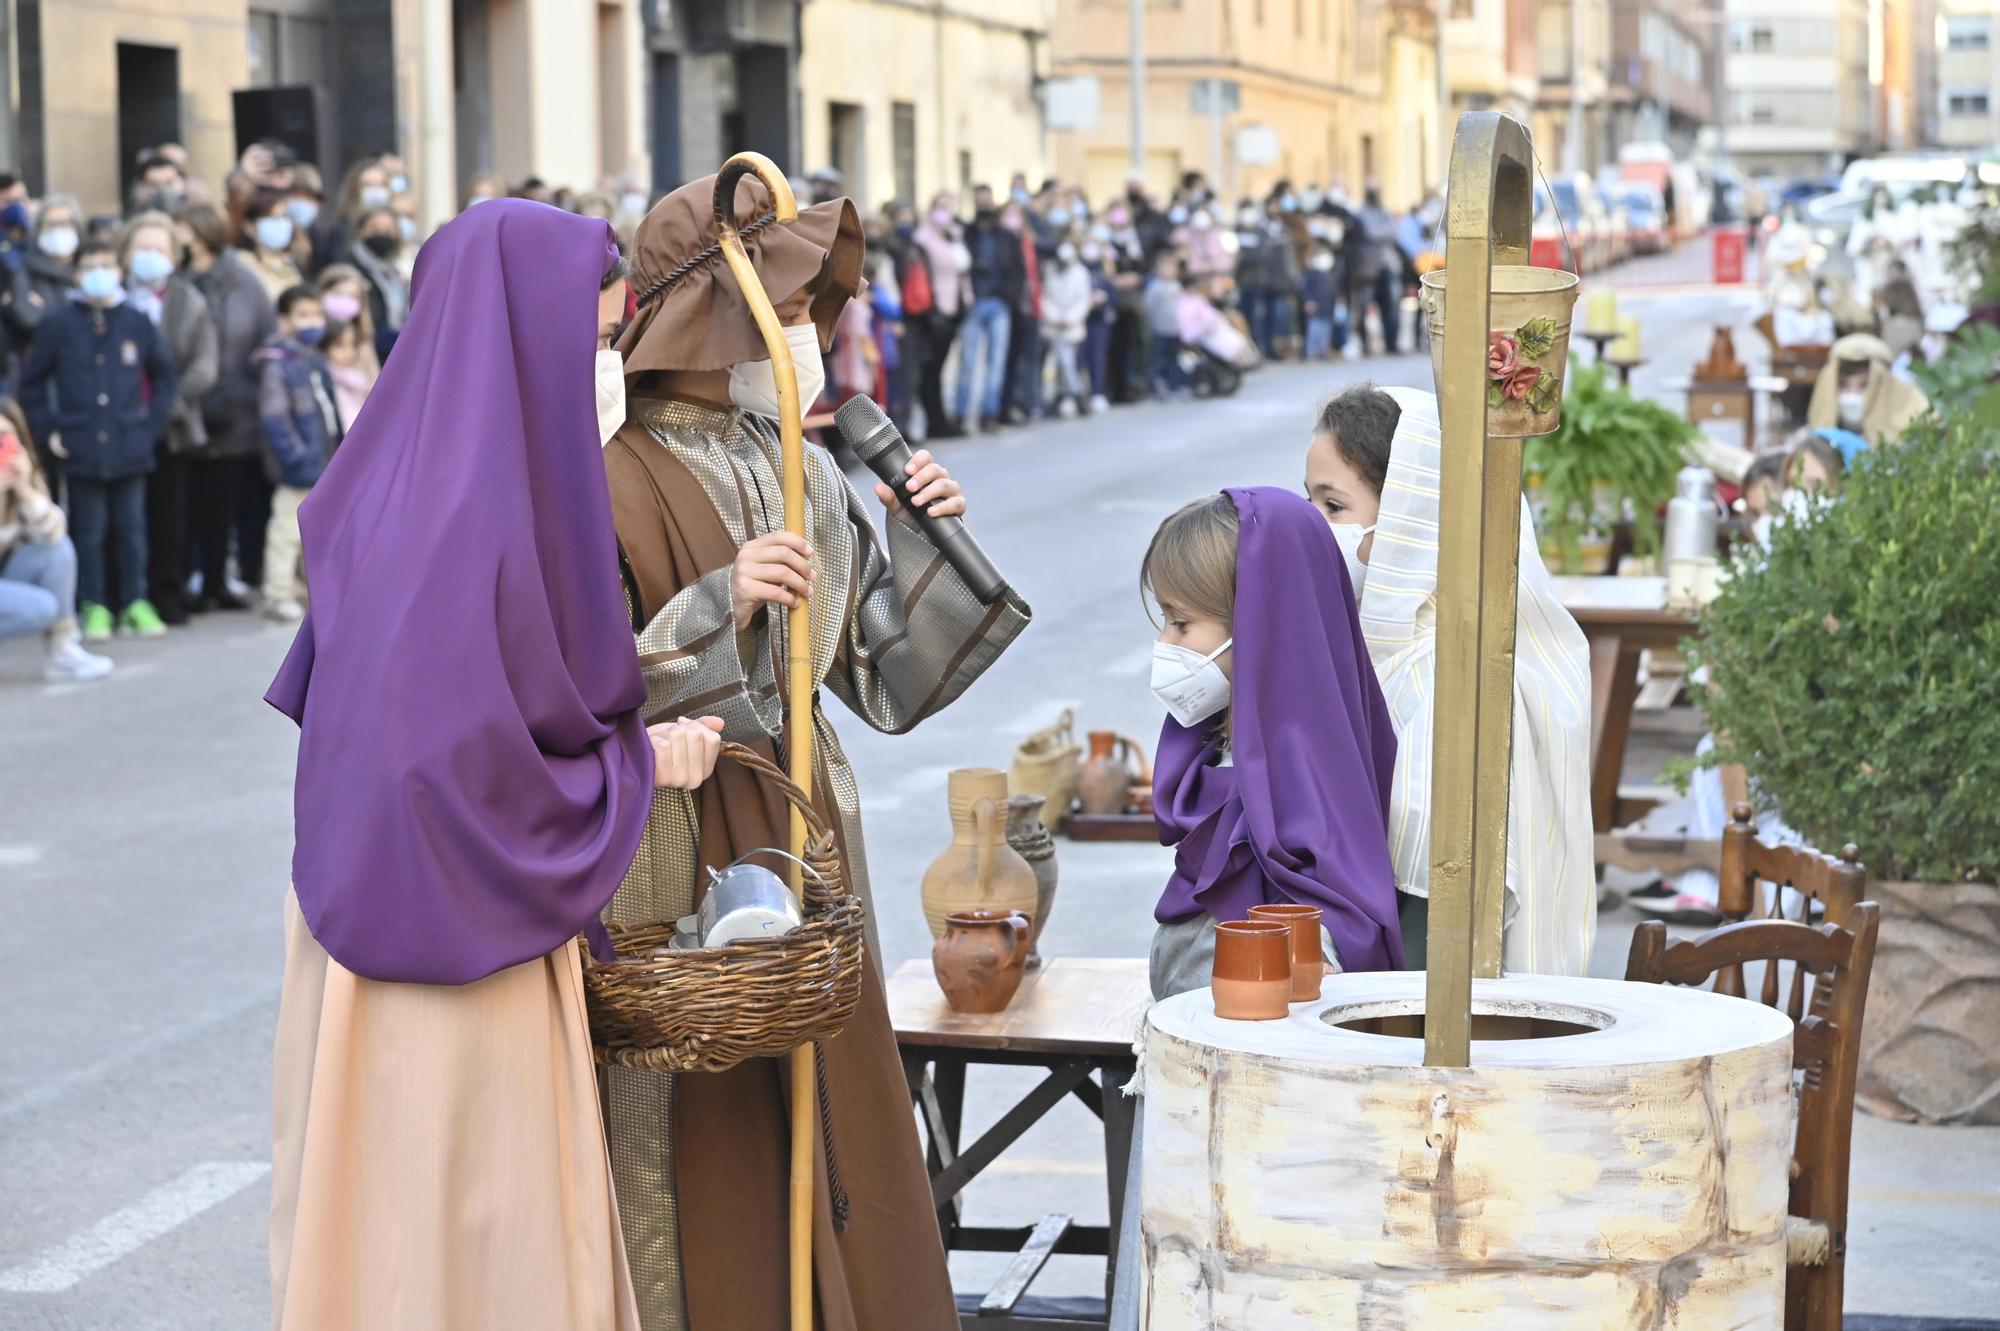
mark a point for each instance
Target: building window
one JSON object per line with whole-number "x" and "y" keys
{"x": 1750, "y": 35}
{"x": 1967, "y": 33}
{"x": 903, "y": 147}
{"x": 1966, "y": 104}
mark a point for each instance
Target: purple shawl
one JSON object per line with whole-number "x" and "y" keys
{"x": 1303, "y": 814}
{"x": 473, "y": 773}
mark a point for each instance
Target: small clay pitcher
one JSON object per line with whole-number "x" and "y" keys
{"x": 1308, "y": 962}
{"x": 981, "y": 958}
{"x": 979, "y": 870}
{"x": 1253, "y": 970}
{"x": 1103, "y": 786}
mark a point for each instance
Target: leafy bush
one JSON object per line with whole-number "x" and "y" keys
{"x": 1856, "y": 670}
{"x": 1964, "y": 377}
{"x": 1611, "y": 446}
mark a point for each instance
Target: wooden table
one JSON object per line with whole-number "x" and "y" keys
{"x": 1728, "y": 400}
{"x": 1076, "y": 1017}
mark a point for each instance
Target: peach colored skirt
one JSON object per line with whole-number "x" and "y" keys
{"x": 438, "y": 1160}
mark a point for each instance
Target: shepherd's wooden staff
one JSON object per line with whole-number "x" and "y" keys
{"x": 799, "y": 690}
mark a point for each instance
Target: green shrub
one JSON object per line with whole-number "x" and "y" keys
{"x": 1962, "y": 380}
{"x": 1610, "y": 446}
{"x": 1856, "y": 671}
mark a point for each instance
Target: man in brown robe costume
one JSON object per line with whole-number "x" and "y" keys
{"x": 701, "y": 1160}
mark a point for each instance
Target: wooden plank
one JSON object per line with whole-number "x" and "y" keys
{"x": 1027, "y": 1264}
{"x": 1091, "y": 1006}
{"x": 1119, "y": 1111}
{"x": 1080, "y": 1241}
{"x": 975, "y": 1322}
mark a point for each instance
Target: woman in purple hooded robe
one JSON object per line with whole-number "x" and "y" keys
{"x": 473, "y": 781}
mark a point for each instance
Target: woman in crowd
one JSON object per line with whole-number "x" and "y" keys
{"x": 940, "y": 241}
{"x": 267, "y": 239}
{"x": 1372, "y": 469}
{"x": 181, "y": 315}
{"x": 377, "y": 248}
{"x": 1900, "y": 316}
{"x": 231, "y": 466}
{"x": 437, "y": 933}
{"x": 1859, "y": 391}
{"x": 51, "y": 263}
{"x": 37, "y": 561}
{"x": 363, "y": 189}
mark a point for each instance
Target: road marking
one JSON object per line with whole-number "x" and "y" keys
{"x": 1138, "y": 661}
{"x": 15, "y": 857}
{"x": 123, "y": 1232}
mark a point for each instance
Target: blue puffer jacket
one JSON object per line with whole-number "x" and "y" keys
{"x": 295, "y": 408}
{"x": 105, "y": 382}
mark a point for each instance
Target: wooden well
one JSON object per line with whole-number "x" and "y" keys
{"x": 1308, "y": 1174}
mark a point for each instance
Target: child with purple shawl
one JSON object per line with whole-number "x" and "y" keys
{"x": 1274, "y": 769}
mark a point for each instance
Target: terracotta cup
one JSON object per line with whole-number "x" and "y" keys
{"x": 1308, "y": 962}
{"x": 1253, "y": 970}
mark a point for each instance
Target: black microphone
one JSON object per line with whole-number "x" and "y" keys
{"x": 882, "y": 448}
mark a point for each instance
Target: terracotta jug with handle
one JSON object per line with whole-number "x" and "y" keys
{"x": 979, "y": 870}
{"x": 981, "y": 958}
{"x": 1116, "y": 764}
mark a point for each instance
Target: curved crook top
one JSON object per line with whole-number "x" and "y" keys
{"x": 783, "y": 202}
{"x": 1491, "y": 195}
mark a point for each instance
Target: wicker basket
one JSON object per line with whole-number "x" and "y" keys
{"x": 1046, "y": 764}
{"x": 708, "y": 1009}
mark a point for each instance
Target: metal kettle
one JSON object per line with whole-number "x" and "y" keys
{"x": 744, "y": 901}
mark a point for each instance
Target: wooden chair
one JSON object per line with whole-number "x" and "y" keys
{"x": 1835, "y": 885}
{"x": 1826, "y": 1054}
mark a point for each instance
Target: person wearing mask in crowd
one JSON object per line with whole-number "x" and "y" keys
{"x": 485, "y": 189}
{"x": 16, "y": 310}
{"x": 301, "y": 425}
{"x": 997, "y": 280}
{"x": 1319, "y": 299}
{"x": 377, "y": 252}
{"x": 37, "y": 560}
{"x": 99, "y": 386}
{"x": 889, "y": 237}
{"x": 409, "y": 233}
{"x": 353, "y": 372}
{"x": 1210, "y": 249}
{"x": 159, "y": 185}
{"x": 1098, "y": 326}
{"x": 304, "y": 205}
{"x": 1266, "y": 274}
{"x": 1859, "y": 391}
{"x": 52, "y": 265}
{"x": 1025, "y": 352}
{"x": 343, "y": 294}
{"x": 1371, "y": 469}
{"x": 1899, "y": 314}
{"x": 363, "y": 189}
{"x": 268, "y": 233}
{"x": 232, "y": 463}
{"x": 179, "y": 312}
{"x": 1067, "y": 297}
{"x": 1151, "y": 229}
{"x": 936, "y": 294}
{"x": 1164, "y": 378}
{"x": 1373, "y": 264}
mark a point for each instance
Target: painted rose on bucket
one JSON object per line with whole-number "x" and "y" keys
{"x": 1503, "y": 354}
{"x": 1511, "y": 371}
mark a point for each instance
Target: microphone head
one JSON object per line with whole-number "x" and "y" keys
{"x": 867, "y": 430}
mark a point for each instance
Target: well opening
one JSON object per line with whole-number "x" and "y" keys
{"x": 1490, "y": 1021}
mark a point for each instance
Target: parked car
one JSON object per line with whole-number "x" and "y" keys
{"x": 1832, "y": 216}
{"x": 1618, "y": 224}
{"x": 1645, "y": 215}
{"x": 1571, "y": 199}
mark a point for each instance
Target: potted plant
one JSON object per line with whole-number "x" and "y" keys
{"x": 1613, "y": 451}
{"x": 1854, "y": 675}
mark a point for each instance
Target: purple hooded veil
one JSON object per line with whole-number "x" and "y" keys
{"x": 473, "y": 775}
{"x": 1303, "y": 813}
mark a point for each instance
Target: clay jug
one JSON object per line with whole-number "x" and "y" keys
{"x": 981, "y": 958}
{"x": 1032, "y": 842}
{"x": 979, "y": 870}
{"x": 1102, "y": 786}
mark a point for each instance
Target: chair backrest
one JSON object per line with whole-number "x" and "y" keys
{"x": 1748, "y": 863}
{"x": 1826, "y": 1047}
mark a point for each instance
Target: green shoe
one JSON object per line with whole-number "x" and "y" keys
{"x": 96, "y": 623}
{"x": 141, "y": 619}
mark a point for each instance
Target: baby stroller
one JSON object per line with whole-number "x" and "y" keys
{"x": 1214, "y": 351}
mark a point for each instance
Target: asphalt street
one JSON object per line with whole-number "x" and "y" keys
{"x": 145, "y": 836}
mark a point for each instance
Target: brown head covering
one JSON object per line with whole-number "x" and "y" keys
{"x": 691, "y": 314}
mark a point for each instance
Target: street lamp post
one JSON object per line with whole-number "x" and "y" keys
{"x": 1139, "y": 86}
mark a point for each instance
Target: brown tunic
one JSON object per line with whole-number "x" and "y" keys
{"x": 701, "y": 1161}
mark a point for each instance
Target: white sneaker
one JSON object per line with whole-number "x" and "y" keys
{"x": 1099, "y": 404}
{"x": 1067, "y": 408}
{"x": 69, "y": 663}
{"x": 284, "y": 612}
{"x": 237, "y": 587}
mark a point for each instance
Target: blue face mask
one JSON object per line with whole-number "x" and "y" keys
{"x": 309, "y": 335}
{"x": 303, "y": 212}
{"x": 14, "y": 216}
{"x": 151, "y": 268}
{"x": 274, "y": 233}
{"x": 100, "y": 284}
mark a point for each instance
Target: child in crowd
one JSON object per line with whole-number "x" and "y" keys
{"x": 295, "y": 406}
{"x": 99, "y": 387}
{"x": 1275, "y": 763}
{"x": 1763, "y": 489}
{"x": 1163, "y": 322}
{"x": 37, "y": 561}
{"x": 1318, "y": 294}
{"x": 1815, "y": 467}
{"x": 1067, "y": 296}
{"x": 350, "y": 363}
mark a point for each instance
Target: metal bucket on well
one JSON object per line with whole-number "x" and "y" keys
{"x": 1527, "y": 345}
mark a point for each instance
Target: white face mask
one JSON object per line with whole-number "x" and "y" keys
{"x": 753, "y": 385}
{"x": 1348, "y": 536}
{"x": 1191, "y": 685}
{"x": 58, "y": 242}
{"x": 610, "y": 394}
{"x": 1851, "y": 406}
